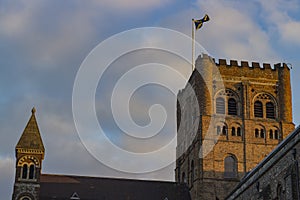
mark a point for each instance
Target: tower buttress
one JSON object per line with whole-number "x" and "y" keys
{"x": 285, "y": 93}
{"x": 204, "y": 66}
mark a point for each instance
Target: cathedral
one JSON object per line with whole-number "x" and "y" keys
{"x": 241, "y": 112}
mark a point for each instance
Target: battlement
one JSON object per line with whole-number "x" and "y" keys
{"x": 245, "y": 64}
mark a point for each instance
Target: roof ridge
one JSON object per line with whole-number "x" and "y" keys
{"x": 99, "y": 177}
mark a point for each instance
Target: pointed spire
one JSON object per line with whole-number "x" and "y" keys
{"x": 31, "y": 137}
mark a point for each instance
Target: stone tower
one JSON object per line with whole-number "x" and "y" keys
{"x": 243, "y": 114}
{"x": 29, "y": 155}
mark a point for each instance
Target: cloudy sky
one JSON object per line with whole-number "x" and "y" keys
{"x": 43, "y": 44}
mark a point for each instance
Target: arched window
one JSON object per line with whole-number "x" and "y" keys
{"x": 271, "y": 134}
{"x": 192, "y": 172}
{"x": 232, "y": 107}
{"x": 258, "y": 109}
{"x": 224, "y": 130}
{"x": 31, "y": 172}
{"x": 262, "y": 133}
{"x": 183, "y": 178}
{"x": 270, "y": 110}
{"x": 230, "y": 166}
{"x": 220, "y": 105}
{"x": 256, "y": 133}
{"x": 239, "y": 132}
{"x": 233, "y": 131}
{"x": 24, "y": 171}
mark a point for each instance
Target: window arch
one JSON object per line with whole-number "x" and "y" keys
{"x": 260, "y": 132}
{"x": 220, "y": 105}
{"x": 265, "y": 106}
{"x": 236, "y": 130}
{"x": 232, "y": 106}
{"x": 221, "y": 129}
{"x": 227, "y": 102}
{"x": 258, "y": 109}
{"x": 230, "y": 167}
{"x": 274, "y": 133}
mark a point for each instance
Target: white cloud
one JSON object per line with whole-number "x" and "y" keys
{"x": 15, "y": 19}
{"x": 7, "y": 177}
{"x": 52, "y": 35}
{"x": 132, "y": 5}
{"x": 234, "y": 34}
{"x": 277, "y": 14}
{"x": 290, "y": 32}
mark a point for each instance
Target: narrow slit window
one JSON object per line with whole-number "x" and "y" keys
{"x": 262, "y": 133}
{"x": 276, "y": 135}
{"x": 224, "y": 130}
{"x": 239, "y": 133}
{"x": 25, "y": 171}
{"x": 256, "y": 133}
{"x": 271, "y": 134}
{"x": 233, "y": 131}
{"x": 31, "y": 172}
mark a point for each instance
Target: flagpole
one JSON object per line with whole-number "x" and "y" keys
{"x": 193, "y": 45}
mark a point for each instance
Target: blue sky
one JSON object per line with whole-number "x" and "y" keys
{"x": 43, "y": 43}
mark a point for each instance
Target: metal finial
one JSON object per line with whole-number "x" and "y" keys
{"x": 33, "y": 110}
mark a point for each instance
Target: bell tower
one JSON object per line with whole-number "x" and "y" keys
{"x": 29, "y": 155}
{"x": 245, "y": 111}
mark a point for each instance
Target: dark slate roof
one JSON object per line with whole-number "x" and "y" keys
{"x": 64, "y": 187}
{"x": 31, "y": 137}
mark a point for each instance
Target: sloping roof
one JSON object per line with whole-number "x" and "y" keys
{"x": 31, "y": 137}
{"x": 94, "y": 188}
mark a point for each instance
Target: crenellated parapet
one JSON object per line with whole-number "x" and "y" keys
{"x": 244, "y": 64}
{"x": 250, "y": 65}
